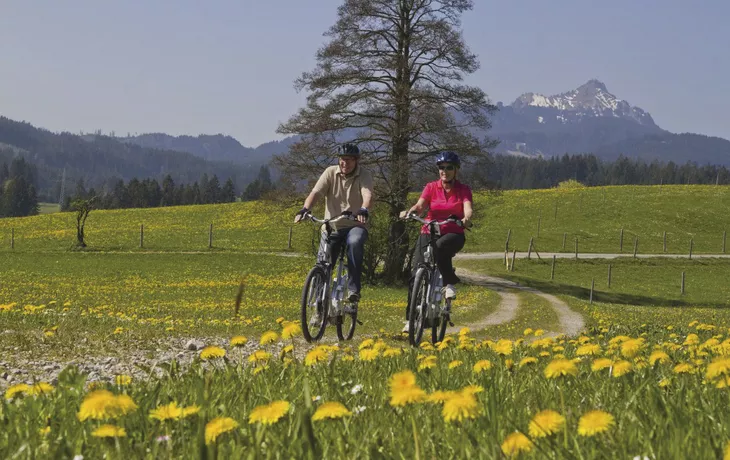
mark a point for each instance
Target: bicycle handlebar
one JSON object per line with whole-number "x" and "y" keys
{"x": 311, "y": 217}
{"x": 413, "y": 216}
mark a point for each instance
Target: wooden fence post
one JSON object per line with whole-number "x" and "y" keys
{"x": 593, "y": 283}
{"x": 564, "y": 236}
{"x": 210, "y": 237}
{"x": 529, "y": 250}
{"x": 682, "y": 290}
{"x": 636, "y": 245}
{"x": 609, "y": 276}
{"x": 555, "y": 215}
{"x": 12, "y": 238}
{"x": 724, "y": 238}
{"x": 691, "y": 244}
{"x": 621, "y": 241}
{"x": 141, "y": 235}
{"x": 552, "y": 269}
{"x": 539, "y": 218}
{"x": 576, "y": 247}
{"x": 506, "y": 244}
{"x": 514, "y": 254}
{"x": 665, "y": 241}
{"x": 289, "y": 243}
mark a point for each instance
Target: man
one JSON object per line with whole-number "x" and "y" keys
{"x": 346, "y": 187}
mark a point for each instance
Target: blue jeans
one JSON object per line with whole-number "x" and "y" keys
{"x": 355, "y": 238}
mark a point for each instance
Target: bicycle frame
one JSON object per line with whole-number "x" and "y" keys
{"x": 336, "y": 291}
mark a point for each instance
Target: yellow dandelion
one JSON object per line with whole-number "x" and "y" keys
{"x": 409, "y": 395}
{"x": 439, "y": 396}
{"x": 123, "y": 380}
{"x": 718, "y": 367}
{"x": 239, "y": 341}
{"x": 44, "y": 431}
{"x": 588, "y": 350}
{"x": 315, "y": 355}
{"x": 621, "y": 368}
{"x": 103, "y": 404}
{"x": 40, "y": 388}
{"x": 268, "y": 337}
{"x": 516, "y": 443}
{"x": 600, "y": 364}
{"x": 291, "y": 330}
{"x": 528, "y": 360}
{"x": 455, "y": 363}
{"x": 558, "y": 349}
{"x": 167, "y": 412}
{"x": 473, "y": 389}
{"x": 659, "y": 356}
{"x": 212, "y": 352}
{"x": 258, "y": 356}
{"x": 631, "y": 348}
{"x": 460, "y": 406}
{"x": 217, "y": 427}
{"x": 503, "y": 347}
{"x": 663, "y": 383}
{"x": 402, "y": 380}
{"x": 427, "y": 363}
{"x": 270, "y": 413}
{"x": 330, "y": 410}
{"x": 426, "y": 346}
{"x": 280, "y": 320}
{"x": 109, "y": 431}
{"x": 286, "y": 350}
{"x": 190, "y": 410}
{"x": 539, "y": 332}
{"x": 595, "y": 422}
{"x": 683, "y": 368}
{"x": 367, "y": 343}
{"x": 16, "y": 390}
{"x": 509, "y": 363}
{"x": 481, "y": 366}
{"x": 726, "y": 453}
{"x": 390, "y": 352}
{"x": 546, "y": 423}
{"x": 368, "y": 354}
{"x": 560, "y": 367}
{"x": 527, "y": 331}
{"x": 692, "y": 339}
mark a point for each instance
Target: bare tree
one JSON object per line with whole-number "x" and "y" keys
{"x": 390, "y": 79}
{"x": 82, "y": 208}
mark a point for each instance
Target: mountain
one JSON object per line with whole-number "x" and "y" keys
{"x": 590, "y": 119}
{"x": 216, "y": 147}
{"x": 99, "y": 160}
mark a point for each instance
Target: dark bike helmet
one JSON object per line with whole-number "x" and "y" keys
{"x": 448, "y": 157}
{"x": 348, "y": 150}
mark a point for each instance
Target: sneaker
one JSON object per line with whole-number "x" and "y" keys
{"x": 406, "y": 328}
{"x": 450, "y": 291}
{"x": 354, "y": 297}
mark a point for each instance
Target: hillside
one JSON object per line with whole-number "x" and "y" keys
{"x": 595, "y": 215}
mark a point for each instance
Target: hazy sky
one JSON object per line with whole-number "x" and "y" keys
{"x": 191, "y": 67}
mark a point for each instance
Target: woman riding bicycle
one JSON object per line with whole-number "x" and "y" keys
{"x": 444, "y": 197}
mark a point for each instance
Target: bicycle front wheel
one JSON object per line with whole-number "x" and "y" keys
{"x": 418, "y": 309}
{"x": 315, "y": 305}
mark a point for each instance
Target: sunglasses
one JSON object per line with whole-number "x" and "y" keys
{"x": 447, "y": 167}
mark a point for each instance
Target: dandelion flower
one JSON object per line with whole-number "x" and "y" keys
{"x": 123, "y": 380}
{"x": 404, "y": 396}
{"x": 560, "y": 367}
{"x": 270, "y": 413}
{"x": 315, "y": 355}
{"x": 692, "y": 339}
{"x": 367, "y": 343}
{"x": 211, "y": 352}
{"x": 103, "y": 404}
{"x": 684, "y": 368}
{"x": 454, "y": 364}
{"x": 390, "y": 352}
{"x": 217, "y": 427}
{"x": 718, "y": 367}
{"x": 369, "y": 354}
{"x": 167, "y": 412}
{"x": 588, "y": 349}
{"x": 503, "y": 347}
{"x": 546, "y": 423}
{"x": 528, "y": 360}
{"x": 481, "y": 366}
{"x": 239, "y": 341}
{"x": 631, "y": 348}
{"x": 402, "y": 380}
{"x": 595, "y": 422}
{"x": 516, "y": 443}
{"x": 290, "y": 330}
{"x": 427, "y": 363}
{"x": 460, "y": 406}
{"x": 331, "y": 410}
{"x": 527, "y": 331}
{"x": 268, "y": 337}
{"x": 660, "y": 356}
{"x": 539, "y": 332}
{"x": 40, "y": 388}
{"x": 109, "y": 431}
{"x": 259, "y": 355}
{"x": 15, "y": 390}
{"x": 439, "y": 396}
{"x": 621, "y": 368}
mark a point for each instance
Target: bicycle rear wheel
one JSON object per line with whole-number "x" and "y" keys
{"x": 346, "y": 323}
{"x": 315, "y": 305}
{"x": 418, "y": 309}
{"x": 438, "y": 330}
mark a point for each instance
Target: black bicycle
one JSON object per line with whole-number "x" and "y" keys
{"x": 428, "y": 305}
{"x": 323, "y": 295}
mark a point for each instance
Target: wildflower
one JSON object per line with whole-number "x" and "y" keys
{"x": 211, "y": 352}
{"x": 509, "y": 363}
{"x": 663, "y": 383}
{"x": 426, "y": 346}
{"x": 217, "y": 427}
{"x": 408, "y": 395}
{"x": 691, "y": 339}
{"x": 259, "y": 355}
{"x": 560, "y": 367}
{"x": 460, "y": 406}
{"x": 315, "y": 356}
{"x": 454, "y": 364}
{"x": 290, "y": 330}
{"x": 683, "y": 368}
{"x": 239, "y": 341}
{"x": 439, "y": 396}
{"x": 287, "y": 349}
{"x": 123, "y": 380}
{"x": 44, "y": 431}
{"x": 527, "y": 331}
{"x": 103, "y": 404}
{"x": 658, "y": 355}
{"x": 280, "y": 320}
{"x": 427, "y": 363}
{"x": 402, "y": 380}
{"x": 601, "y": 363}
{"x": 331, "y": 410}
{"x": 718, "y": 367}
{"x": 268, "y": 337}
{"x": 167, "y": 412}
{"x": 367, "y": 343}
{"x": 503, "y": 347}
{"x": 588, "y": 349}
{"x": 389, "y": 352}
{"x": 632, "y": 347}
{"x": 356, "y": 389}
{"x": 19, "y": 389}
{"x": 369, "y": 354}
{"x": 109, "y": 431}
{"x": 546, "y": 423}
{"x": 539, "y": 332}
{"x": 621, "y": 368}
{"x": 482, "y": 366}
{"x": 595, "y": 422}
{"x": 528, "y": 360}
{"x": 516, "y": 443}
{"x": 270, "y": 413}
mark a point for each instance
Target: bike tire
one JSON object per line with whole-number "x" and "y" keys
{"x": 438, "y": 331}
{"x": 345, "y": 331}
{"x": 419, "y": 293}
{"x": 316, "y": 281}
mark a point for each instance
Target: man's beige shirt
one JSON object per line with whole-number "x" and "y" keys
{"x": 343, "y": 193}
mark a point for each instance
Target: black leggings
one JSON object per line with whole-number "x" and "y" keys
{"x": 446, "y": 248}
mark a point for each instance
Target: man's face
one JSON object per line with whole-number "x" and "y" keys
{"x": 347, "y": 164}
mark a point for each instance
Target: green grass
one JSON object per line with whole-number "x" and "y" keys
{"x": 595, "y": 215}
{"x": 154, "y": 297}
{"x": 48, "y": 208}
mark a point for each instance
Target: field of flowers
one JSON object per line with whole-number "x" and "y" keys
{"x": 615, "y": 392}
{"x": 595, "y": 215}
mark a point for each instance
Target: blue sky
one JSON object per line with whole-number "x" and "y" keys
{"x": 191, "y": 67}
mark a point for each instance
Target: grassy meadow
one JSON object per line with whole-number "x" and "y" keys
{"x": 648, "y": 378}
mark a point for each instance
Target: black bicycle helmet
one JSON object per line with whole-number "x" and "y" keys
{"x": 348, "y": 150}
{"x": 448, "y": 157}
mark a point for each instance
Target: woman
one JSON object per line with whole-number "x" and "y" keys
{"x": 444, "y": 197}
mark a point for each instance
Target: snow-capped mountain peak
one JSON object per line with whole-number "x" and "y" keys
{"x": 591, "y": 99}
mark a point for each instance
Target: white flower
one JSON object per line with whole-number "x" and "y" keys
{"x": 356, "y": 389}
{"x": 163, "y": 438}
{"x": 78, "y": 457}
{"x": 359, "y": 409}
{"x": 316, "y": 398}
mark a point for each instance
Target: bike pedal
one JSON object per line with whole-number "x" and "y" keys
{"x": 359, "y": 322}
{"x": 451, "y": 324}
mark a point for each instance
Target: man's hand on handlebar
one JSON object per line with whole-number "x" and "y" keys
{"x": 300, "y": 215}
{"x": 362, "y": 215}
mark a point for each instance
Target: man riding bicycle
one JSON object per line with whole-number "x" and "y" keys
{"x": 347, "y": 188}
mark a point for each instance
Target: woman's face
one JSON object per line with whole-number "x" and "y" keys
{"x": 447, "y": 171}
